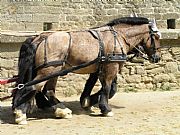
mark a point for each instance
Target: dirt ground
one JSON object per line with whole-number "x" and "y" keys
{"x": 148, "y": 113}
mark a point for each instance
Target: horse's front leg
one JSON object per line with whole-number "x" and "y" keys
{"x": 103, "y": 100}
{"x": 107, "y": 76}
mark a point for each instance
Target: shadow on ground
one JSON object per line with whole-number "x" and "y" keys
{"x": 7, "y": 116}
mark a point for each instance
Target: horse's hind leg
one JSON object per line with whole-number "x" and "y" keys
{"x": 47, "y": 98}
{"x": 85, "y": 99}
{"x": 94, "y": 99}
{"x": 23, "y": 99}
{"x": 22, "y": 103}
{"x": 61, "y": 111}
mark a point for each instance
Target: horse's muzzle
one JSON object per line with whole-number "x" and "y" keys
{"x": 155, "y": 58}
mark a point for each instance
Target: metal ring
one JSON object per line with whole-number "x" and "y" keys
{"x": 20, "y": 86}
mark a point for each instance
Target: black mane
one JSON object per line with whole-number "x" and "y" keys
{"x": 129, "y": 20}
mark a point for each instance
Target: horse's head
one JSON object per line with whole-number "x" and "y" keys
{"x": 151, "y": 43}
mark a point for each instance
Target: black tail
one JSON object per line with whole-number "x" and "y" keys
{"x": 26, "y": 72}
{"x": 26, "y": 61}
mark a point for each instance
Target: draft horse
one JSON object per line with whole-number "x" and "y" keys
{"x": 102, "y": 50}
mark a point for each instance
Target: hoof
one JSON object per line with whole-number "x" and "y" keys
{"x": 89, "y": 110}
{"x": 20, "y": 118}
{"x": 109, "y": 114}
{"x": 63, "y": 113}
{"x": 85, "y": 102}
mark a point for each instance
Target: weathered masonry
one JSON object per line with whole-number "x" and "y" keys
{"x": 39, "y": 15}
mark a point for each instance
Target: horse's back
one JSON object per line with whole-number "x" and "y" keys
{"x": 54, "y": 47}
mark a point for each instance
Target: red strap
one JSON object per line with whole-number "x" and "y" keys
{"x": 9, "y": 80}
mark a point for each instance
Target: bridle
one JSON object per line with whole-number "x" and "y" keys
{"x": 143, "y": 47}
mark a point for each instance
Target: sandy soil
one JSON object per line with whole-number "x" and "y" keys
{"x": 148, "y": 113}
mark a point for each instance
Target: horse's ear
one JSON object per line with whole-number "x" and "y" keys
{"x": 133, "y": 14}
{"x": 154, "y": 27}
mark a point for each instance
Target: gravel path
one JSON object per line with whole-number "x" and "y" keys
{"x": 148, "y": 113}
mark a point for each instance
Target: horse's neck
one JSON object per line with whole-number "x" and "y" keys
{"x": 133, "y": 34}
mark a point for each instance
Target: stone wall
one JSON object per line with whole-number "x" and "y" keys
{"x": 32, "y": 15}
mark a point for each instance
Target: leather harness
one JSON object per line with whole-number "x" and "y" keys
{"x": 111, "y": 57}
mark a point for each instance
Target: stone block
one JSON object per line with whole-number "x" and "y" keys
{"x": 112, "y": 11}
{"x": 55, "y": 3}
{"x": 167, "y": 57}
{"x": 161, "y": 23}
{"x": 133, "y": 79}
{"x": 170, "y": 16}
{"x": 109, "y": 6}
{"x": 74, "y": 5}
{"x": 147, "y": 79}
{"x": 12, "y": 39}
{"x": 151, "y": 66}
{"x": 132, "y": 70}
{"x": 147, "y": 10}
{"x": 118, "y": 6}
{"x": 170, "y": 35}
{"x": 43, "y": 9}
{"x": 8, "y": 18}
{"x": 33, "y": 26}
{"x": 24, "y": 17}
{"x": 156, "y": 71}
{"x": 149, "y": 86}
{"x": 171, "y": 67}
{"x": 175, "y": 50}
{"x": 6, "y": 63}
{"x": 140, "y": 70}
{"x": 160, "y": 10}
{"x": 88, "y": 18}
{"x": 161, "y": 78}
{"x": 76, "y": 1}
{"x": 140, "y": 86}
{"x": 9, "y": 50}
{"x": 172, "y": 78}
{"x": 86, "y": 12}
{"x": 72, "y": 18}
{"x": 14, "y": 26}
{"x": 20, "y": 9}
{"x": 157, "y": 16}
{"x": 124, "y": 70}
{"x": 178, "y": 25}
{"x": 45, "y": 18}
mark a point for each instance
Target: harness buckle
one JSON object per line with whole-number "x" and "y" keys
{"x": 116, "y": 57}
{"x": 103, "y": 58}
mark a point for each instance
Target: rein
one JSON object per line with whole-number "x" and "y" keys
{"x": 58, "y": 73}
